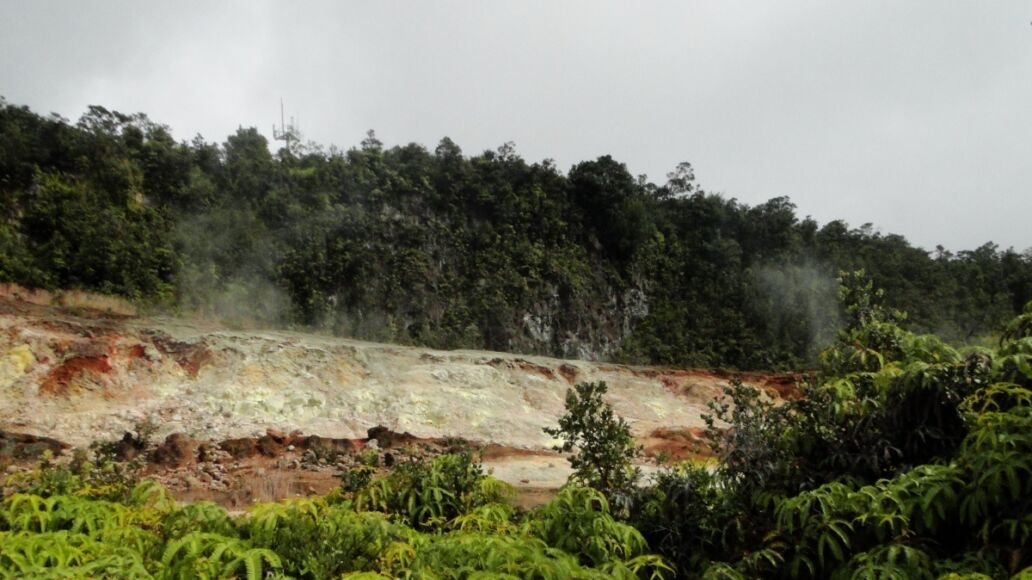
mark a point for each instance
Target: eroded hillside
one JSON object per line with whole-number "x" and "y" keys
{"x": 78, "y": 376}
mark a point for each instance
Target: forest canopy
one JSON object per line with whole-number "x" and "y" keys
{"x": 449, "y": 250}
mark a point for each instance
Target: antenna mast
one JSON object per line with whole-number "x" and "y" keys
{"x": 286, "y": 132}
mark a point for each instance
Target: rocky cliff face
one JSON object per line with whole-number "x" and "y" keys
{"x": 588, "y": 332}
{"x": 81, "y": 376}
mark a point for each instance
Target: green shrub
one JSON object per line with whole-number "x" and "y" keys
{"x": 315, "y": 540}
{"x": 426, "y": 495}
{"x": 601, "y": 443}
{"x": 688, "y": 517}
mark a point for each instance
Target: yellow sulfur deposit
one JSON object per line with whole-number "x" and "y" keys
{"x": 14, "y": 363}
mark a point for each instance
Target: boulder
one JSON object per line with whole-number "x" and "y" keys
{"x": 178, "y": 450}
{"x": 16, "y": 446}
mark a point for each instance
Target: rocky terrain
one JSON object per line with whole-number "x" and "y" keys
{"x": 271, "y": 400}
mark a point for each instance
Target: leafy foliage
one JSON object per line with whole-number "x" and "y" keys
{"x": 146, "y": 536}
{"x": 687, "y": 517}
{"x": 425, "y": 495}
{"x": 904, "y": 458}
{"x": 602, "y": 441}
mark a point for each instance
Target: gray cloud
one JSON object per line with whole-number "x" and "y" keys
{"x": 911, "y": 115}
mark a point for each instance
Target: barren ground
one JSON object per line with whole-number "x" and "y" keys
{"x": 90, "y": 370}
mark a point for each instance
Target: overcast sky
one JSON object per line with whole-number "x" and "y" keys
{"x": 915, "y": 115}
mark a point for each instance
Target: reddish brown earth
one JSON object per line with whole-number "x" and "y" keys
{"x": 676, "y": 444}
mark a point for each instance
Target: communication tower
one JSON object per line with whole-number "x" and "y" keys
{"x": 285, "y": 132}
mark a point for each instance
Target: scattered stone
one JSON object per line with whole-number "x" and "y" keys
{"x": 328, "y": 447}
{"x": 380, "y": 433}
{"x": 129, "y": 447}
{"x": 23, "y": 446}
{"x": 240, "y": 448}
{"x": 178, "y": 450}
{"x": 269, "y": 446}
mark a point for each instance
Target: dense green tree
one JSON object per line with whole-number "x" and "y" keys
{"x": 446, "y": 249}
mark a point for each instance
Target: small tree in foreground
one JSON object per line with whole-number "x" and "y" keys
{"x": 601, "y": 442}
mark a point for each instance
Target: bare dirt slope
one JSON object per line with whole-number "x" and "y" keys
{"x": 79, "y": 375}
